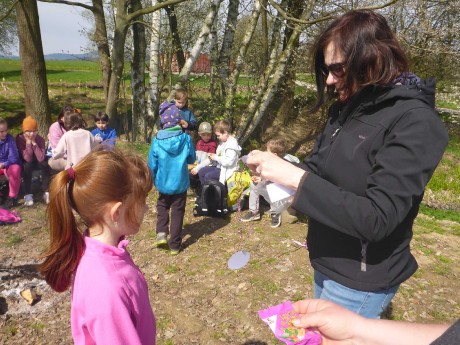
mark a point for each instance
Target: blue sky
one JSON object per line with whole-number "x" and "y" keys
{"x": 60, "y": 26}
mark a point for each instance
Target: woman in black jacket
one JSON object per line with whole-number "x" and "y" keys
{"x": 363, "y": 182}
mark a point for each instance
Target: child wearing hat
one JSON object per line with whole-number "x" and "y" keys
{"x": 204, "y": 146}
{"x": 170, "y": 153}
{"x": 32, "y": 150}
{"x": 10, "y": 164}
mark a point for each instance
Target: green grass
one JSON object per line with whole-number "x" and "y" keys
{"x": 438, "y": 214}
{"x": 14, "y": 239}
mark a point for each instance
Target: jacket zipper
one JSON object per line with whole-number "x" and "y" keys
{"x": 363, "y": 255}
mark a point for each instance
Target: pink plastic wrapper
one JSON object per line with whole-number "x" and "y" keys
{"x": 279, "y": 318}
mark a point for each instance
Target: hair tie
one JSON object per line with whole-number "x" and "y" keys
{"x": 71, "y": 173}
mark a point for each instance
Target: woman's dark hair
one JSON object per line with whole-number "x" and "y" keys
{"x": 372, "y": 54}
{"x": 73, "y": 120}
{"x": 101, "y": 116}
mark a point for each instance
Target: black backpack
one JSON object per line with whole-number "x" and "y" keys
{"x": 212, "y": 201}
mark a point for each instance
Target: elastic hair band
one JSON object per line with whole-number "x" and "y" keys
{"x": 71, "y": 173}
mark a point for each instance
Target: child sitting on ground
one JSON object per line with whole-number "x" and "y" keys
{"x": 10, "y": 164}
{"x": 204, "y": 146}
{"x": 57, "y": 130}
{"x": 225, "y": 158}
{"x": 110, "y": 300}
{"x": 32, "y": 150}
{"x": 75, "y": 144}
{"x": 170, "y": 153}
{"x": 102, "y": 132}
{"x": 279, "y": 148}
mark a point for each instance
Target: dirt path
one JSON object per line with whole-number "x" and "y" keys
{"x": 196, "y": 298}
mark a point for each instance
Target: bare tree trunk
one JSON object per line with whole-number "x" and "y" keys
{"x": 264, "y": 33}
{"x": 227, "y": 44}
{"x": 33, "y": 68}
{"x": 177, "y": 45}
{"x": 214, "y": 54}
{"x": 230, "y": 100}
{"x": 198, "y": 47}
{"x": 138, "y": 75}
{"x": 154, "y": 74}
{"x": 102, "y": 43}
{"x": 256, "y": 110}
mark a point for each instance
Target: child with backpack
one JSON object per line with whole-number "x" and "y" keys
{"x": 110, "y": 300}
{"x": 225, "y": 158}
{"x": 278, "y": 147}
{"x": 170, "y": 153}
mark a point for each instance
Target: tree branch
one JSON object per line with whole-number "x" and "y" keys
{"x": 70, "y": 3}
{"x": 151, "y": 9}
{"x": 9, "y": 11}
{"x": 284, "y": 14}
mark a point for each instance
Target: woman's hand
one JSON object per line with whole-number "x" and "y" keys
{"x": 336, "y": 324}
{"x": 194, "y": 171}
{"x": 270, "y": 167}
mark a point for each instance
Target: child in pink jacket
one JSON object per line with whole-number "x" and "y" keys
{"x": 110, "y": 300}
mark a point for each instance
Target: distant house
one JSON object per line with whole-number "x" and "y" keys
{"x": 202, "y": 63}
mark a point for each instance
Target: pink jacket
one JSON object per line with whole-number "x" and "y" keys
{"x": 55, "y": 133}
{"x": 110, "y": 301}
{"x": 74, "y": 145}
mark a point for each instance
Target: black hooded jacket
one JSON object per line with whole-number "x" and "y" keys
{"x": 368, "y": 171}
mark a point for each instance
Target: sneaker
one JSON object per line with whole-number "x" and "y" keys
{"x": 46, "y": 197}
{"x": 276, "y": 220}
{"x": 174, "y": 252}
{"x": 161, "y": 241}
{"x": 28, "y": 200}
{"x": 250, "y": 216}
{"x": 11, "y": 202}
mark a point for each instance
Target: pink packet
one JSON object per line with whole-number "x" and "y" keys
{"x": 279, "y": 318}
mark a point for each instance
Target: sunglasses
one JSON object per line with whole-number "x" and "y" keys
{"x": 336, "y": 69}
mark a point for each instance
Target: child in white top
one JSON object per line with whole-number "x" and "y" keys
{"x": 226, "y": 156}
{"x": 75, "y": 144}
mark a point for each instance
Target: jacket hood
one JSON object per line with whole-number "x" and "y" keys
{"x": 173, "y": 142}
{"x": 380, "y": 96}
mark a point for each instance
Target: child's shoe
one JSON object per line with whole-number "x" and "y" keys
{"x": 161, "y": 241}
{"x": 250, "y": 216}
{"x": 46, "y": 198}
{"x": 174, "y": 252}
{"x": 276, "y": 219}
{"x": 28, "y": 200}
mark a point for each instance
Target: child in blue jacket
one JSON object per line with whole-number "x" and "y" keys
{"x": 103, "y": 133}
{"x": 170, "y": 153}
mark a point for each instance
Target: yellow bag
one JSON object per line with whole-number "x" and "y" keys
{"x": 236, "y": 185}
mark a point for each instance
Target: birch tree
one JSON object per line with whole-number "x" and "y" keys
{"x": 154, "y": 72}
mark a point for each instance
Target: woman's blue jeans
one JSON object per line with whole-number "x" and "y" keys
{"x": 367, "y": 304}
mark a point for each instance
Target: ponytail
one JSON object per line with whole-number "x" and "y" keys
{"x": 66, "y": 241}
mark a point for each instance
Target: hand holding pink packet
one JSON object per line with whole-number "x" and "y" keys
{"x": 279, "y": 318}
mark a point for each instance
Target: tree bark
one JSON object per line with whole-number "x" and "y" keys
{"x": 154, "y": 75}
{"x": 227, "y": 44}
{"x": 177, "y": 45}
{"x": 198, "y": 47}
{"x": 33, "y": 68}
{"x": 138, "y": 75}
{"x": 233, "y": 83}
{"x": 102, "y": 43}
